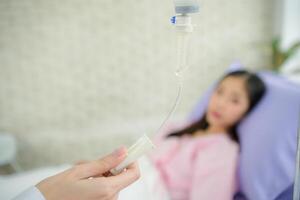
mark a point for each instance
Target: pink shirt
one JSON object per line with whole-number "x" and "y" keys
{"x": 197, "y": 168}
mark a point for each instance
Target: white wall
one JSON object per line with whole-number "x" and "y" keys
{"x": 290, "y": 26}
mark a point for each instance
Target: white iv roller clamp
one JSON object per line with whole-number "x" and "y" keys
{"x": 184, "y": 26}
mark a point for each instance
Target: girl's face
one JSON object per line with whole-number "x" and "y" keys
{"x": 228, "y": 104}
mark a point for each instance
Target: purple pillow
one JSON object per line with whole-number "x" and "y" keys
{"x": 268, "y": 138}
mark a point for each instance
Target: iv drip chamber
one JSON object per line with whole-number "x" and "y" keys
{"x": 186, "y": 6}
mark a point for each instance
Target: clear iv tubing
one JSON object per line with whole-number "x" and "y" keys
{"x": 182, "y": 43}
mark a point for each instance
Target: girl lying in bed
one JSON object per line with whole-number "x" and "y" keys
{"x": 198, "y": 161}
{"x": 194, "y": 161}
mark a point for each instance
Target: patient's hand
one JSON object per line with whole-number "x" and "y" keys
{"x": 89, "y": 180}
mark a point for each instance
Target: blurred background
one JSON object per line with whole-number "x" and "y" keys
{"x": 79, "y": 78}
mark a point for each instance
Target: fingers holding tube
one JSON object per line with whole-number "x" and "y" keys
{"x": 99, "y": 167}
{"x": 109, "y": 187}
{"x": 127, "y": 177}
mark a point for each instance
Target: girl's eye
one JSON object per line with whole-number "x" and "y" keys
{"x": 235, "y": 101}
{"x": 219, "y": 91}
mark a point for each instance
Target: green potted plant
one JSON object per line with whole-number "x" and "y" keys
{"x": 279, "y": 56}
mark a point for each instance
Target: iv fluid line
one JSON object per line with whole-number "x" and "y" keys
{"x": 175, "y": 105}
{"x": 182, "y": 42}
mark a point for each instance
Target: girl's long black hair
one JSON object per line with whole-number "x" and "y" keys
{"x": 255, "y": 89}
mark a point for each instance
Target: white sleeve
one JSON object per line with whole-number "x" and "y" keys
{"x": 30, "y": 194}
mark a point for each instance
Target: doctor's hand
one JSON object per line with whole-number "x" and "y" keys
{"x": 89, "y": 180}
